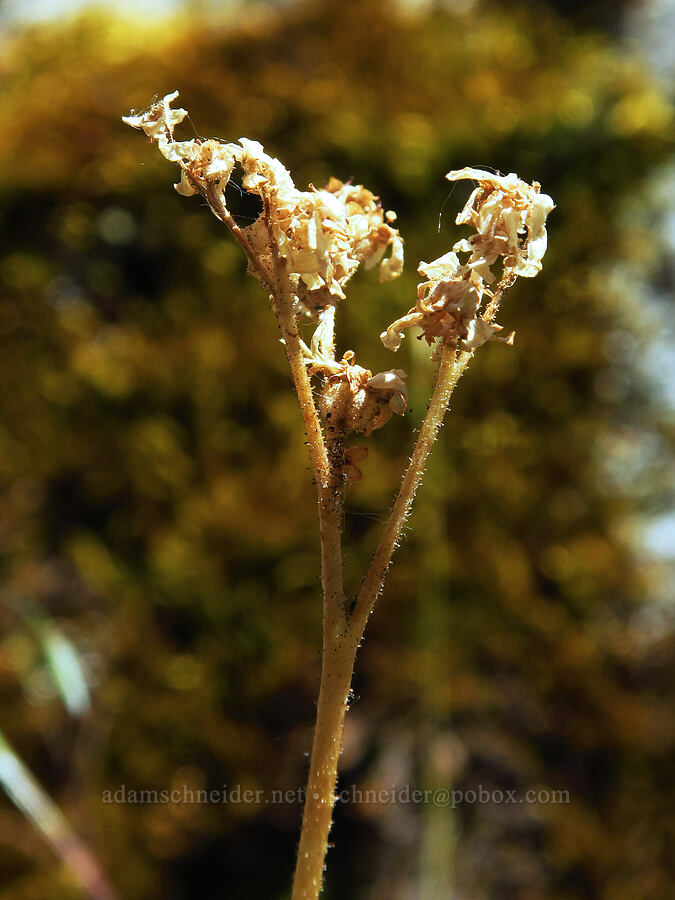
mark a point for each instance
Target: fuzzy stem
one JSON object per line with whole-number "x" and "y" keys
{"x": 326, "y": 462}
{"x": 336, "y": 675}
{"x": 340, "y": 637}
{"x": 327, "y": 466}
{"x": 336, "y": 669}
{"x": 215, "y": 198}
{"x": 337, "y": 661}
{"x": 450, "y": 370}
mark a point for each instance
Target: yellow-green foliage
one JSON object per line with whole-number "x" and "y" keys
{"x": 158, "y": 500}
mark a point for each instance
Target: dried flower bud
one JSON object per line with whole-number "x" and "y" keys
{"x": 159, "y": 121}
{"x": 353, "y": 400}
{"x": 391, "y": 385}
{"x": 510, "y": 221}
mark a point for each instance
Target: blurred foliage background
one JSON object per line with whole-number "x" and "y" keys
{"x": 157, "y": 520}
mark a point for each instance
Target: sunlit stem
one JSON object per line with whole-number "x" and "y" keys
{"x": 337, "y": 665}
{"x": 336, "y": 668}
{"x": 327, "y": 466}
{"x": 336, "y": 676}
{"x": 341, "y": 635}
{"x": 452, "y": 365}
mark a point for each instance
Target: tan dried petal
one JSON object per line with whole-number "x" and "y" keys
{"x": 159, "y": 118}
{"x": 184, "y": 186}
{"x": 478, "y": 332}
{"x": 444, "y": 268}
{"x": 392, "y": 267}
{"x": 392, "y": 337}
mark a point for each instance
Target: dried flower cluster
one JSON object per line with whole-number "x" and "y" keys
{"x": 509, "y": 217}
{"x": 320, "y": 236}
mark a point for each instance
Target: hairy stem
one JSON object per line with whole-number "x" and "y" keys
{"x": 215, "y": 199}
{"x": 337, "y": 665}
{"x": 327, "y": 465}
{"x": 341, "y": 637}
{"x": 452, "y": 365}
{"x": 336, "y": 676}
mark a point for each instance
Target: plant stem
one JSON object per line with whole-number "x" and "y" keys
{"x": 452, "y": 365}
{"x": 341, "y": 637}
{"x": 338, "y": 659}
{"x": 337, "y": 666}
{"x": 327, "y": 468}
{"x": 336, "y": 676}
{"x": 215, "y": 199}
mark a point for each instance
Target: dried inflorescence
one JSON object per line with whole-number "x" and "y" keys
{"x": 509, "y": 217}
{"x": 313, "y": 241}
{"x": 201, "y": 162}
{"x": 322, "y": 235}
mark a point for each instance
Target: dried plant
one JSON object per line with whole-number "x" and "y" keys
{"x": 304, "y": 247}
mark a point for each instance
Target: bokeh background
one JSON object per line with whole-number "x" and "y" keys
{"x": 160, "y": 602}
